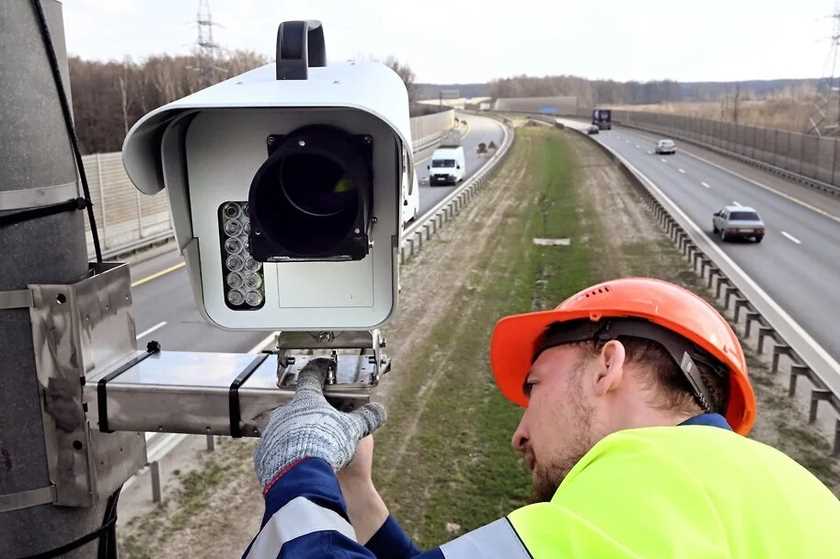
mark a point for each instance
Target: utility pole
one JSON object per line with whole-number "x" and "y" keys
{"x": 206, "y": 47}
{"x": 37, "y": 169}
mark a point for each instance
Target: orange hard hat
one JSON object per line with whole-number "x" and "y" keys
{"x": 674, "y": 310}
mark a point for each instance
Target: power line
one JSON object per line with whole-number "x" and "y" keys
{"x": 207, "y": 49}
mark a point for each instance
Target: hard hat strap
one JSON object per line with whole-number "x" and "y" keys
{"x": 685, "y": 354}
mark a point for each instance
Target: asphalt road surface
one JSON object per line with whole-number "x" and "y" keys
{"x": 797, "y": 263}
{"x": 164, "y": 306}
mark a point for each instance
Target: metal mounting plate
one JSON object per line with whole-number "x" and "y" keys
{"x": 79, "y": 330}
{"x": 188, "y": 392}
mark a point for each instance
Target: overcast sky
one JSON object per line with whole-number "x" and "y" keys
{"x": 466, "y": 41}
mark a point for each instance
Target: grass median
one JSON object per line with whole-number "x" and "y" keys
{"x": 458, "y": 471}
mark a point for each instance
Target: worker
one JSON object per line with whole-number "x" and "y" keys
{"x": 637, "y": 403}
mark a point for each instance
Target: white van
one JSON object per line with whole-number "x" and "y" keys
{"x": 447, "y": 165}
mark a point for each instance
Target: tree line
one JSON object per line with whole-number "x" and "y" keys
{"x": 611, "y": 92}
{"x": 588, "y": 92}
{"x": 109, "y": 97}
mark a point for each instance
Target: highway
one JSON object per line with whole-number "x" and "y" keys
{"x": 163, "y": 301}
{"x": 797, "y": 263}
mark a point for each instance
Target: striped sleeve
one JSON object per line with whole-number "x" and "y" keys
{"x": 306, "y": 517}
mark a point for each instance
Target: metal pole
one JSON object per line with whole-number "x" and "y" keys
{"x": 34, "y": 154}
{"x": 103, "y": 214}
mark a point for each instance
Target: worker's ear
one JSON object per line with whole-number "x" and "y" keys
{"x": 610, "y": 371}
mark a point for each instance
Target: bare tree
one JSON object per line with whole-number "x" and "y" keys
{"x": 405, "y": 72}
{"x": 108, "y": 97}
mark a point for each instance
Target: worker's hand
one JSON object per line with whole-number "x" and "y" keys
{"x": 360, "y": 469}
{"x": 365, "y": 507}
{"x": 309, "y": 427}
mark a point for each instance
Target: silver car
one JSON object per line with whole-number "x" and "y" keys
{"x": 665, "y": 146}
{"x": 738, "y": 222}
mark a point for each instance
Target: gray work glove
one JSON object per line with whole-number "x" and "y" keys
{"x": 309, "y": 427}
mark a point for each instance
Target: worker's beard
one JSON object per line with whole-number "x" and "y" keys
{"x": 548, "y": 475}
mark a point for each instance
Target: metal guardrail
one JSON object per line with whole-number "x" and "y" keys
{"x": 809, "y": 160}
{"x": 128, "y": 220}
{"x": 800, "y": 178}
{"x": 413, "y": 237}
{"x": 763, "y": 319}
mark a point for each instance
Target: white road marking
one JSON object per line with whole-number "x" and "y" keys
{"x": 145, "y": 333}
{"x": 783, "y": 315}
{"x": 257, "y": 348}
{"x": 791, "y": 237}
{"x": 735, "y": 202}
{"x": 664, "y": 160}
{"x": 765, "y": 187}
{"x": 681, "y": 171}
{"x": 706, "y": 184}
{"x": 638, "y": 146}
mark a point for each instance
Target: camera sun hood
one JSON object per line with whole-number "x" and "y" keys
{"x": 365, "y": 86}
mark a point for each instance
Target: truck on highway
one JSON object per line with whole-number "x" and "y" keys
{"x": 602, "y": 118}
{"x": 447, "y": 165}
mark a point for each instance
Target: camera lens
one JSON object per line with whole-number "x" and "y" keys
{"x": 311, "y": 195}
{"x": 317, "y": 186}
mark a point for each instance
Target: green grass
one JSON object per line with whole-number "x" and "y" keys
{"x": 459, "y": 468}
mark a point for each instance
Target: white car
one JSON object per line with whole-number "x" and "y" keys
{"x": 665, "y": 146}
{"x": 738, "y": 222}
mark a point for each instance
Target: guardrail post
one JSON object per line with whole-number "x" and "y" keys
{"x": 427, "y": 228}
{"x": 729, "y": 291}
{"x": 211, "y": 443}
{"x": 696, "y": 258}
{"x": 778, "y": 351}
{"x": 419, "y": 236}
{"x": 764, "y": 332}
{"x": 817, "y": 395}
{"x": 155, "y": 471}
{"x": 714, "y": 271}
{"x": 740, "y": 303}
{"x": 704, "y": 262}
{"x": 750, "y": 318}
{"x": 720, "y": 283}
{"x": 796, "y": 370}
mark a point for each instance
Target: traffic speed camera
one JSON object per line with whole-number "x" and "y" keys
{"x": 285, "y": 185}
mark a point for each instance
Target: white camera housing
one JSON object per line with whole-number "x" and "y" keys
{"x": 206, "y": 148}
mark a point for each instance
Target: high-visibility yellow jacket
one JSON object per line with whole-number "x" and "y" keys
{"x": 688, "y": 491}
